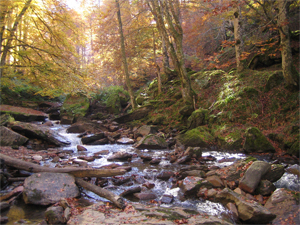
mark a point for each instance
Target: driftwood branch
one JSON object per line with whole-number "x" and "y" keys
{"x": 116, "y": 199}
{"x": 77, "y": 172}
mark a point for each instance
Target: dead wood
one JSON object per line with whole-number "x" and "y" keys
{"x": 116, "y": 199}
{"x": 77, "y": 172}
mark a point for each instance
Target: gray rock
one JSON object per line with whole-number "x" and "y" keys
{"x": 11, "y": 138}
{"x": 92, "y": 138}
{"x": 253, "y": 175}
{"x": 125, "y": 141}
{"x": 49, "y": 188}
{"x": 249, "y": 211}
{"x": 152, "y": 141}
{"x": 121, "y": 155}
{"x": 41, "y": 132}
{"x": 190, "y": 185}
{"x": 55, "y": 215}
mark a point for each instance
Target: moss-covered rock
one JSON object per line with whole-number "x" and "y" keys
{"x": 256, "y": 142}
{"x": 152, "y": 141}
{"x": 275, "y": 79}
{"x": 197, "y": 137}
{"x": 199, "y": 117}
{"x": 295, "y": 148}
{"x": 74, "y": 107}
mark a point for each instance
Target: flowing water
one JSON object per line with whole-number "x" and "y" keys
{"x": 145, "y": 171}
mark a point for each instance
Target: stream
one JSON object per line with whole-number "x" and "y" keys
{"x": 143, "y": 171}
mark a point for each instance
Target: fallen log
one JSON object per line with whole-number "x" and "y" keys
{"x": 116, "y": 199}
{"x": 77, "y": 172}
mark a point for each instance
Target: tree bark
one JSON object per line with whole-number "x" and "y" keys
{"x": 116, "y": 199}
{"x": 124, "y": 59}
{"x": 11, "y": 36}
{"x": 239, "y": 43}
{"x": 156, "y": 65}
{"x": 77, "y": 172}
{"x": 167, "y": 12}
{"x": 290, "y": 74}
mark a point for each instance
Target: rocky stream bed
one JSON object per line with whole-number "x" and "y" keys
{"x": 162, "y": 181}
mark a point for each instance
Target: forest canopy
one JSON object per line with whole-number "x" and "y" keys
{"x": 64, "y": 49}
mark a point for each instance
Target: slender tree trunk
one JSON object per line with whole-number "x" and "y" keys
{"x": 156, "y": 65}
{"x": 124, "y": 60}
{"x": 239, "y": 43}
{"x": 171, "y": 17}
{"x": 11, "y": 36}
{"x": 290, "y": 74}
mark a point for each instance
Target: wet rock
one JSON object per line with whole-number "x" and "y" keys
{"x": 146, "y": 130}
{"x": 265, "y": 187}
{"x": 248, "y": 211}
{"x": 11, "y": 138}
{"x": 102, "y": 141}
{"x": 193, "y": 152}
{"x": 48, "y": 123}
{"x": 146, "y": 158}
{"x": 113, "y": 128}
{"x": 81, "y": 162}
{"x": 167, "y": 199}
{"x": 195, "y": 173}
{"x": 125, "y": 141}
{"x": 120, "y": 180}
{"x": 37, "y": 157}
{"x": 255, "y": 141}
{"x": 121, "y": 155}
{"x": 183, "y": 159}
{"x": 92, "y": 138}
{"x": 294, "y": 169}
{"x": 87, "y": 158}
{"x": 103, "y": 152}
{"x": 4, "y": 206}
{"x": 253, "y": 175}
{"x": 165, "y": 175}
{"x": 190, "y": 185}
{"x": 131, "y": 191}
{"x": 152, "y": 141}
{"x": 145, "y": 196}
{"x": 41, "y": 132}
{"x": 55, "y": 215}
{"x": 139, "y": 179}
{"x": 3, "y": 219}
{"x": 155, "y": 161}
{"x": 49, "y": 188}
{"x": 215, "y": 181}
{"x": 275, "y": 173}
{"x": 232, "y": 208}
{"x": 149, "y": 185}
{"x": 285, "y": 205}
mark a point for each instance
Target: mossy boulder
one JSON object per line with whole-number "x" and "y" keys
{"x": 295, "y": 148}
{"x": 74, "y": 107}
{"x": 256, "y": 142}
{"x": 152, "y": 141}
{"x": 275, "y": 79}
{"x": 197, "y": 137}
{"x": 199, "y": 117}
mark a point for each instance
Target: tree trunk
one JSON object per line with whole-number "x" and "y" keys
{"x": 116, "y": 199}
{"x": 171, "y": 11}
{"x": 156, "y": 65}
{"x": 239, "y": 43}
{"x": 124, "y": 59}
{"x": 11, "y": 36}
{"x": 290, "y": 74}
{"x": 77, "y": 172}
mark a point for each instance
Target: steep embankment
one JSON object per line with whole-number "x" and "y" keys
{"x": 228, "y": 104}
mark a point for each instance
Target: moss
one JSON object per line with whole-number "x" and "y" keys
{"x": 249, "y": 159}
{"x": 197, "y": 137}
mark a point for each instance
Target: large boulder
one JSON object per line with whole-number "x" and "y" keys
{"x": 248, "y": 211}
{"x": 198, "y": 118}
{"x": 30, "y": 130}
{"x": 146, "y": 129}
{"x": 11, "y": 138}
{"x": 152, "y": 141}
{"x": 190, "y": 185}
{"x": 91, "y": 138}
{"x": 253, "y": 175}
{"x": 48, "y": 188}
{"x": 74, "y": 107}
{"x": 255, "y": 141}
{"x": 285, "y": 205}
{"x": 197, "y": 137}
{"x": 23, "y": 114}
